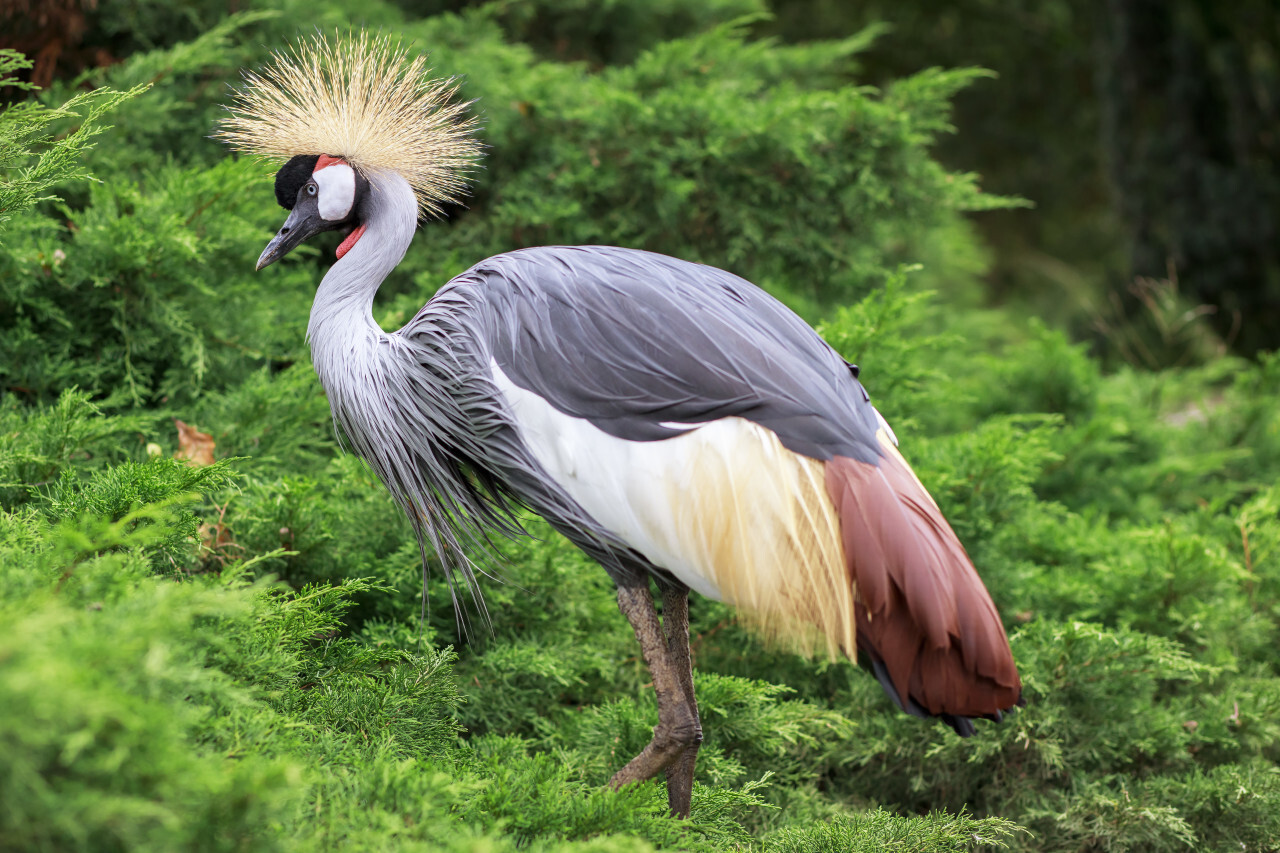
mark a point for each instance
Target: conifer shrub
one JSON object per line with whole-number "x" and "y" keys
{"x": 37, "y": 446}
{"x": 34, "y": 156}
{"x": 611, "y": 33}
{"x": 690, "y": 150}
{"x": 881, "y": 830}
{"x": 237, "y": 656}
{"x": 147, "y": 711}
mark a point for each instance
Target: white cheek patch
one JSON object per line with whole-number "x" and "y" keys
{"x": 337, "y": 184}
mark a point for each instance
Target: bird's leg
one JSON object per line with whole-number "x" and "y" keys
{"x": 677, "y": 719}
{"x": 675, "y": 623}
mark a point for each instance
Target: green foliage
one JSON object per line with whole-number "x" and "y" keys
{"x": 36, "y": 446}
{"x": 105, "y": 695}
{"x": 881, "y": 830}
{"x": 34, "y": 157}
{"x": 121, "y": 497}
{"x": 237, "y": 657}
{"x": 211, "y": 713}
{"x": 136, "y": 299}
{"x": 612, "y": 32}
{"x": 141, "y": 289}
{"x": 692, "y": 149}
{"x": 750, "y": 733}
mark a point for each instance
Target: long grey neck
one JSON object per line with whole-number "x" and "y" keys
{"x": 342, "y": 314}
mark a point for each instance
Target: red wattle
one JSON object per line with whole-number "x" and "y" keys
{"x": 346, "y": 244}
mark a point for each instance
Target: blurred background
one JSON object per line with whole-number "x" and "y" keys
{"x": 1144, "y": 133}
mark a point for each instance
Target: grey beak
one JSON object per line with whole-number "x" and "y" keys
{"x": 302, "y": 223}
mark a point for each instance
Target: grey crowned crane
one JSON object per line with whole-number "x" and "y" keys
{"x": 672, "y": 420}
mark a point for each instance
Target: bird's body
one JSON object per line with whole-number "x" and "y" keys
{"x": 671, "y": 419}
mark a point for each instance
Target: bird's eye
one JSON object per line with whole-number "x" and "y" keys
{"x": 311, "y": 189}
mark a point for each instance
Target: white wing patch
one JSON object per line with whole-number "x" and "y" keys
{"x": 337, "y": 184}
{"x": 724, "y": 507}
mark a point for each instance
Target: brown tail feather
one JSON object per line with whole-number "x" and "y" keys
{"x": 923, "y": 614}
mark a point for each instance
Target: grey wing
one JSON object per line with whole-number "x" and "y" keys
{"x": 644, "y": 346}
{"x": 641, "y": 344}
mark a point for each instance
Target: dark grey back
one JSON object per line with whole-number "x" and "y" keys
{"x": 632, "y": 340}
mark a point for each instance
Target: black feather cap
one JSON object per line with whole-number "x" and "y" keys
{"x": 292, "y": 176}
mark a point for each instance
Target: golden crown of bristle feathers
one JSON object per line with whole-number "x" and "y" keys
{"x": 365, "y": 100}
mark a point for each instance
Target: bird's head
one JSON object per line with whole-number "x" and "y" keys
{"x": 321, "y": 193}
{"x": 373, "y": 106}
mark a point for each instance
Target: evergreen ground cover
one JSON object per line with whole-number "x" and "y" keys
{"x": 236, "y": 656}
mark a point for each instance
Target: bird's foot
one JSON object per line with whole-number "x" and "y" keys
{"x": 676, "y": 738}
{"x": 680, "y": 779}
{"x": 674, "y": 748}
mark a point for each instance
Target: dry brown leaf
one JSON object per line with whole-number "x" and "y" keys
{"x": 218, "y": 546}
{"x": 193, "y": 445}
{"x": 215, "y": 536}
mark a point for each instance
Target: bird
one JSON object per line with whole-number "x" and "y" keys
{"x": 671, "y": 419}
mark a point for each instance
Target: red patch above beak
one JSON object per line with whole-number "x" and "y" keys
{"x": 326, "y": 160}
{"x": 346, "y": 244}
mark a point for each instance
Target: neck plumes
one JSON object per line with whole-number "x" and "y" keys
{"x": 342, "y": 314}
{"x": 389, "y": 408}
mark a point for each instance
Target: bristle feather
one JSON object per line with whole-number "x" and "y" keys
{"x": 365, "y": 99}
